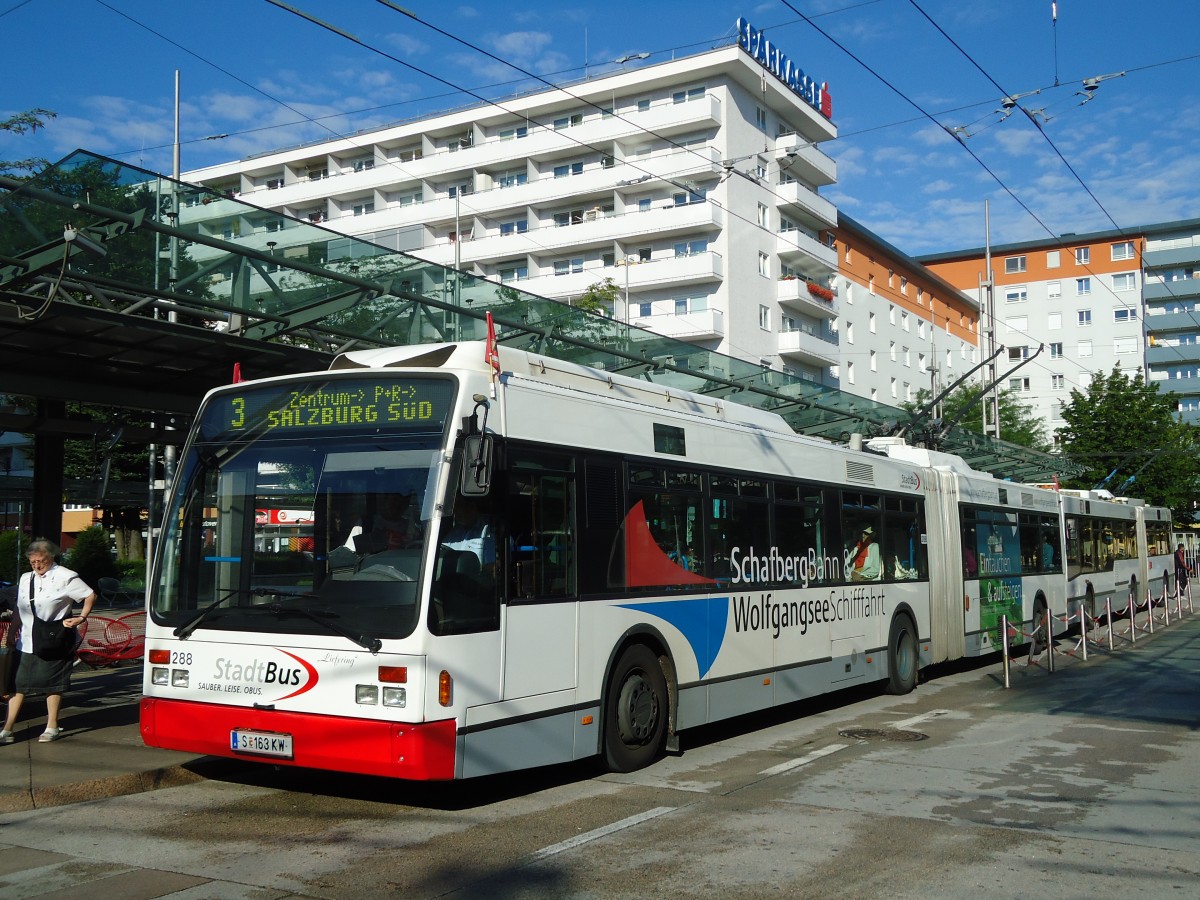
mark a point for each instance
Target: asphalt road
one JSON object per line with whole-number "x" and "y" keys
{"x": 1079, "y": 784}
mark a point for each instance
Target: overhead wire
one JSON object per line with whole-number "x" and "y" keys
{"x": 1061, "y": 241}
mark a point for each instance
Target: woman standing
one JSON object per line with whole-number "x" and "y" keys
{"x": 49, "y": 591}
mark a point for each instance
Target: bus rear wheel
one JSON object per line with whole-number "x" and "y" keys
{"x": 902, "y": 656}
{"x": 635, "y": 711}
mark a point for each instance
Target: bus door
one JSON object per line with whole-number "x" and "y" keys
{"x": 540, "y": 621}
{"x": 952, "y": 566}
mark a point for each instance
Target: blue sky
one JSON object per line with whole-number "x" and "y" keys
{"x": 901, "y": 73}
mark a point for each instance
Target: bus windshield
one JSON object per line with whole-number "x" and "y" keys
{"x": 304, "y": 509}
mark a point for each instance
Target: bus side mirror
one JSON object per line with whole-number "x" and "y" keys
{"x": 477, "y": 465}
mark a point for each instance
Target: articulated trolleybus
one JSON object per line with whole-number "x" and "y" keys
{"x": 492, "y": 572}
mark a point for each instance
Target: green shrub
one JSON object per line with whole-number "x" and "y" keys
{"x": 92, "y": 556}
{"x": 12, "y": 555}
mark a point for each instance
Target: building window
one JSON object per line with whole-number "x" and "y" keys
{"x": 874, "y": 364}
{"x": 516, "y": 226}
{"x": 694, "y": 93}
{"x": 508, "y": 134}
{"x": 513, "y": 273}
{"x": 691, "y": 248}
{"x": 1125, "y": 314}
{"x": 1083, "y": 256}
{"x": 1085, "y": 317}
{"x": 764, "y": 264}
{"x": 1122, "y": 250}
{"x": 644, "y": 204}
{"x": 1053, "y": 289}
{"x": 1016, "y": 294}
{"x": 1018, "y": 384}
{"x": 645, "y": 310}
{"x": 1017, "y": 323}
{"x": 511, "y": 179}
{"x": 1058, "y": 382}
{"x": 362, "y": 165}
{"x": 570, "y": 121}
{"x": 764, "y": 318}
{"x": 1056, "y": 351}
{"x": 1017, "y": 353}
{"x": 1125, "y": 281}
{"x": 760, "y": 117}
{"x": 1014, "y": 265}
{"x": 643, "y": 104}
{"x": 575, "y": 168}
{"x": 892, "y": 350}
{"x": 893, "y": 387}
{"x": 568, "y": 266}
{"x": 362, "y": 209}
{"x": 1085, "y": 348}
{"x": 683, "y": 199}
{"x": 762, "y": 215}
{"x": 1125, "y": 345}
{"x": 904, "y": 321}
{"x": 1054, "y": 321}
{"x": 1083, "y": 287}
{"x": 903, "y": 285}
{"x": 1052, "y": 259}
{"x": 849, "y": 332}
{"x": 871, "y": 323}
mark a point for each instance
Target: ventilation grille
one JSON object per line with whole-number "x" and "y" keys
{"x": 860, "y": 472}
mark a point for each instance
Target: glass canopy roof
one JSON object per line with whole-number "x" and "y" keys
{"x": 96, "y": 232}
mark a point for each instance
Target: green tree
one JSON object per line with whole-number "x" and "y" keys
{"x": 600, "y": 297}
{"x": 24, "y": 123}
{"x": 1018, "y": 423}
{"x": 92, "y": 557}
{"x": 1128, "y": 435}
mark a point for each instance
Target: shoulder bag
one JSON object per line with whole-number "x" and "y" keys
{"x": 51, "y": 638}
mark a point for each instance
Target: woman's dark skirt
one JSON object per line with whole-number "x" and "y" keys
{"x": 37, "y": 677}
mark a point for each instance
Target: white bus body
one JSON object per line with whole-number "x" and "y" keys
{"x": 646, "y": 561}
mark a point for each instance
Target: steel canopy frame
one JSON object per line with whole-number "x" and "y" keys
{"x": 254, "y": 275}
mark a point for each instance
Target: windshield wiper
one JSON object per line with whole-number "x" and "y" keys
{"x": 322, "y": 617}
{"x": 193, "y": 623}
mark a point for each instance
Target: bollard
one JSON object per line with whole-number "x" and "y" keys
{"x": 1108, "y": 615}
{"x": 1004, "y": 648}
{"x": 1150, "y": 610}
{"x": 1049, "y": 643}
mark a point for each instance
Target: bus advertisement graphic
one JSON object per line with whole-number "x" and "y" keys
{"x": 998, "y": 547}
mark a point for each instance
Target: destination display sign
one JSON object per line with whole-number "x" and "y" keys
{"x": 328, "y": 406}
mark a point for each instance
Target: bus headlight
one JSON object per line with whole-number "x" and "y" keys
{"x": 179, "y": 678}
{"x": 366, "y": 694}
{"x": 159, "y": 675}
{"x": 394, "y": 696}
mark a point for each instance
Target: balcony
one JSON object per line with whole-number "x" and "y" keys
{"x": 666, "y": 221}
{"x": 801, "y": 250}
{"x": 794, "y": 293}
{"x": 1181, "y": 386}
{"x": 694, "y": 326}
{"x": 1161, "y": 323}
{"x": 796, "y": 200}
{"x": 1171, "y": 290}
{"x": 1168, "y": 355}
{"x": 805, "y": 161}
{"x": 808, "y": 347}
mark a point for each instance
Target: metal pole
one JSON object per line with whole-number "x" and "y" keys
{"x": 1050, "y": 640}
{"x": 1108, "y": 616}
{"x": 1004, "y": 647}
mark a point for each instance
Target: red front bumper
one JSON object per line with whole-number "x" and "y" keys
{"x": 418, "y": 752}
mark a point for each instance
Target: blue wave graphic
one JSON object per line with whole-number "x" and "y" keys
{"x": 702, "y": 621}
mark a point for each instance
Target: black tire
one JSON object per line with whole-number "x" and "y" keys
{"x": 1040, "y": 639}
{"x": 903, "y": 660}
{"x": 635, "y": 711}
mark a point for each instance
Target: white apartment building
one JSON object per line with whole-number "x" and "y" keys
{"x": 693, "y": 184}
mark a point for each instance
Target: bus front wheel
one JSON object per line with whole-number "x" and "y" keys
{"x": 902, "y": 656}
{"x": 635, "y": 711}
